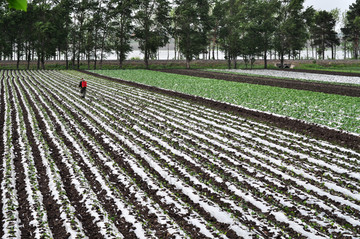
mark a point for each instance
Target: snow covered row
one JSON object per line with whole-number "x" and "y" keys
{"x": 152, "y": 166}
{"x": 301, "y": 75}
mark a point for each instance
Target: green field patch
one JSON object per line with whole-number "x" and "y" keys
{"x": 335, "y": 111}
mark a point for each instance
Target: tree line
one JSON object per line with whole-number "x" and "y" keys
{"x": 88, "y": 29}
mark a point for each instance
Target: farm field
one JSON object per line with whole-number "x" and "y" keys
{"x": 351, "y": 80}
{"x": 331, "y": 110}
{"x": 129, "y": 163}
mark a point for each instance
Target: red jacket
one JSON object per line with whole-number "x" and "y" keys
{"x": 83, "y": 84}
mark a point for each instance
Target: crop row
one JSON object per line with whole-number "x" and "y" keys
{"x": 335, "y": 111}
{"x": 312, "y": 77}
{"x": 127, "y": 162}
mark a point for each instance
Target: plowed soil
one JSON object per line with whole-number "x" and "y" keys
{"x": 127, "y": 163}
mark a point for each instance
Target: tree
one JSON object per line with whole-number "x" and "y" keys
{"x": 62, "y": 13}
{"x": 290, "y": 34}
{"x": 309, "y": 16}
{"x": 17, "y": 32}
{"x": 260, "y": 27}
{"x": 192, "y": 26}
{"x": 351, "y": 30}
{"x": 122, "y": 27}
{"x": 102, "y": 18}
{"x": 215, "y": 27}
{"x": 230, "y": 18}
{"x": 44, "y": 31}
{"x": 151, "y": 26}
{"x": 323, "y": 31}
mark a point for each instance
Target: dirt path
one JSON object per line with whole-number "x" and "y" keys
{"x": 316, "y": 131}
{"x": 283, "y": 83}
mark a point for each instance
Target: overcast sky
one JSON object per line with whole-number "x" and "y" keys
{"x": 329, "y": 4}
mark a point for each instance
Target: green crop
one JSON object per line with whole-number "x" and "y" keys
{"x": 335, "y": 111}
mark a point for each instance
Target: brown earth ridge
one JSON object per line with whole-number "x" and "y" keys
{"x": 313, "y": 130}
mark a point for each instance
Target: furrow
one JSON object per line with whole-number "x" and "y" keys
{"x": 110, "y": 172}
{"x": 156, "y": 198}
{"x": 56, "y": 214}
{"x": 74, "y": 188}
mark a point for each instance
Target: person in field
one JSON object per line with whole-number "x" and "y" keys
{"x": 83, "y": 85}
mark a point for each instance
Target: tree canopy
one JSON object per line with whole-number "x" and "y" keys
{"x": 90, "y": 29}
{"x": 351, "y": 30}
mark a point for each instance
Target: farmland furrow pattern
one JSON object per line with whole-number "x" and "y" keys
{"x": 25, "y": 216}
{"x": 82, "y": 197}
{"x": 143, "y": 184}
{"x": 157, "y": 121}
{"x": 126, "y": 227}
{"x": 53, "y": 209}
{"x": 128, "y": 163}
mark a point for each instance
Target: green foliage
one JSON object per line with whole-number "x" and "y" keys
{"x": 323, "y": 31}
{"x": 351, "y": 30}
{"x": 18, "y": 4}
{"x": 340, "y": 67}
{"x": 152, "y": 20}
{"x": 121, "y": 28}
{"x": 290, "y": 35}
{"x": 334, "y": 111}
{"x": 192, "y": 26}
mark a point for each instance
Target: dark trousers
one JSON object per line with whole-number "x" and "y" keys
{"x": 83, "y": 92}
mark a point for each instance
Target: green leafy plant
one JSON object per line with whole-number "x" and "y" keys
{"x": 18, "y": 4}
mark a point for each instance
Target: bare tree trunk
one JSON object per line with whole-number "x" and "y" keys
{"x": 18, "y": 57}
{"x": 175, "y": 45}
{"x": 67, "y": 59}
{"x": 265, "y": 59}
{"x": 88, "y": 61}
{"x": 187, "y": 64}
{"x": 43, "y": 60}
{"x": 28, "y": 58}
{"x": 168, "y": 51}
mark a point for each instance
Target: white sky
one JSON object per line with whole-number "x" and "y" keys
{"x": 328, "y": 5}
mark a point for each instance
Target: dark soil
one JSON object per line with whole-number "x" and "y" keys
{"x": 52, "y": 208}
{"x": 27, "y": 230}
{"x": 84, "y": 216}
{"x": 283, "y": 83}
{"x": 124, "y": 227}
{"x": 316, "y": 131}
